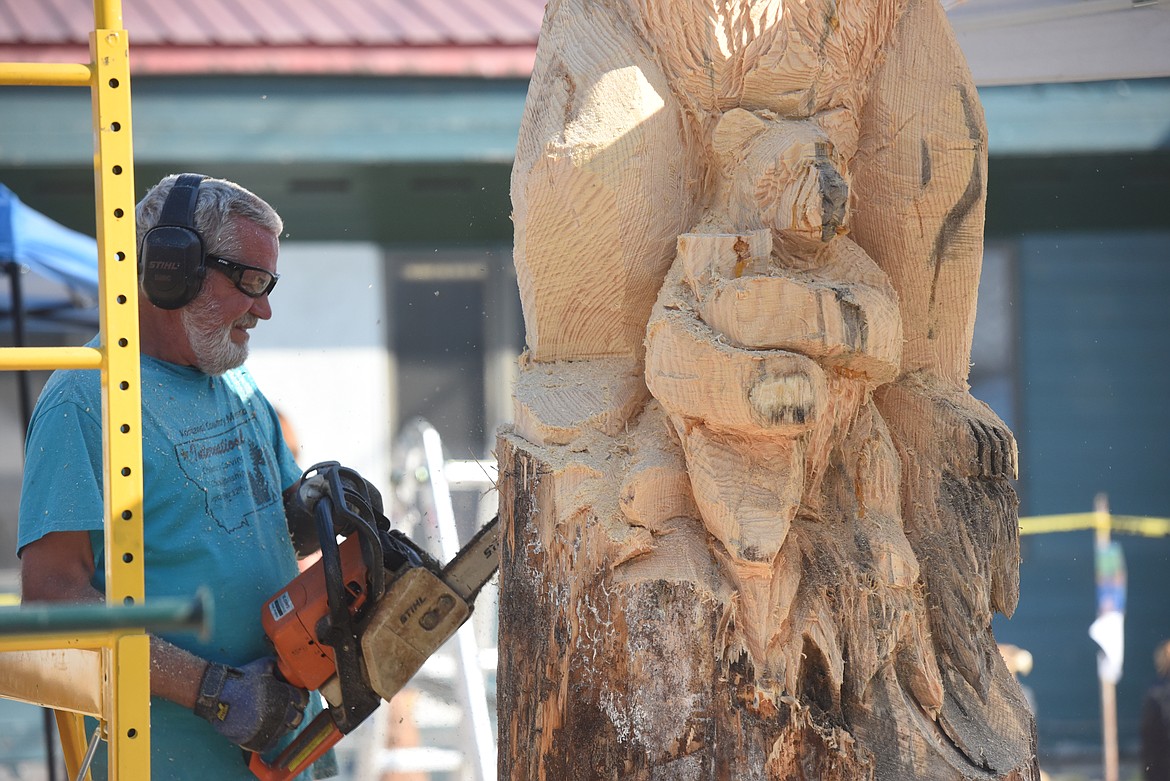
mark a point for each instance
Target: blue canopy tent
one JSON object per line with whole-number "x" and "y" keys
{"x": 64, "y": 264}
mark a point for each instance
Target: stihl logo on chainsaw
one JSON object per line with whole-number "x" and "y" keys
{"x": 411, "y": 610}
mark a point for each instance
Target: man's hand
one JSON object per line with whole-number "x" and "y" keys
{"x": 248, "y": 705}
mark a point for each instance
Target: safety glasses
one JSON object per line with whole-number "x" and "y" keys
{"x": 249, "y": 280}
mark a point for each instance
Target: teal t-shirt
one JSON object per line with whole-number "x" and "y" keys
{"x": 214, "y": 469}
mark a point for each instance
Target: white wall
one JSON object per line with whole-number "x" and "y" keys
{"x": 323, "y": 359}
{"x": 1040, "y": 41}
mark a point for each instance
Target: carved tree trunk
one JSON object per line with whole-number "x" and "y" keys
{"x": 756, "y": 526}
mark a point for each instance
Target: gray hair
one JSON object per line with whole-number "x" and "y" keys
{"x": 219, "y": 201}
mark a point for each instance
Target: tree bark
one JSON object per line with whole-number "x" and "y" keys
{"x": 756, "y": 526}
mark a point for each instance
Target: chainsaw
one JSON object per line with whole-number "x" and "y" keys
{"x": 361, "y": 621}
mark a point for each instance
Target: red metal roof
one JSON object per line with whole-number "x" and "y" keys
{"x": 376, "y": 37}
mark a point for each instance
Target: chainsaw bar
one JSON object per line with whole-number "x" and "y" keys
{"x": 475, "y": 564}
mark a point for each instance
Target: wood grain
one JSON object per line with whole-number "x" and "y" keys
{"x": 756, "y": 524}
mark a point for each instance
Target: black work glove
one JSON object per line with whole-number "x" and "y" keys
{"x": 248, "y": 705}
{"x": 361, "y": 497}
{"x": 312, "y": 489}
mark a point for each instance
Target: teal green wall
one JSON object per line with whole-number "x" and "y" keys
{"x": 412, "y": 203}
{"x": 1093, "y": 313}
{"x": 407, "y": 161}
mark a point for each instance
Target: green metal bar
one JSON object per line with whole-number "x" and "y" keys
{"x": 158, "y": 615}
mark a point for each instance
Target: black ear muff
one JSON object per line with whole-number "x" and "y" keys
{"x": 172, "y": 259}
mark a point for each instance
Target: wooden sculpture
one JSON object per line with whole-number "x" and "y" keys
{"x": 756, "y": 525}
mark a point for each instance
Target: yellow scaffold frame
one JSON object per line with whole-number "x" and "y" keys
{"x": 102, "y": 673}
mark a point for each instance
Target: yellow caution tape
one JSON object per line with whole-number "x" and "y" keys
{"x": 1123, "y": 524}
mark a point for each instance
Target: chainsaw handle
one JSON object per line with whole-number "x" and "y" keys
{"x": 307, "y": 747}
{"x": 357, "y": 701}
{"x": 367, "y": 529}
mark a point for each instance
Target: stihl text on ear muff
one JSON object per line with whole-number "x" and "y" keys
{"x": 172, "y": 258}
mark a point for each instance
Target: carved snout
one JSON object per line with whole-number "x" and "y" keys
{"x": 801, "y": 194}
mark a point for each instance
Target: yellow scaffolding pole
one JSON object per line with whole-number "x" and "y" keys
{"x": 115, "y": 665}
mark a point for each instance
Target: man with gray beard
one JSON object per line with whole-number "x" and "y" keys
{"x": 218, "y": 479}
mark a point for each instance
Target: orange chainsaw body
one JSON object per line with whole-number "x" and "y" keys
{"x": 292, "y": 617}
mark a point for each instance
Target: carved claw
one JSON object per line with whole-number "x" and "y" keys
{"x": 988, "y": 449}
{"x": 962, "y": 436}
